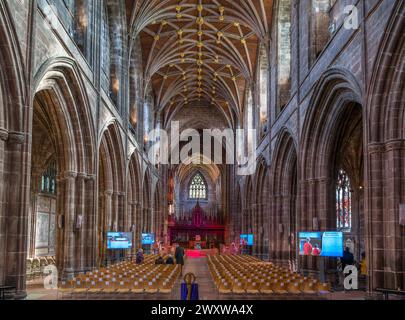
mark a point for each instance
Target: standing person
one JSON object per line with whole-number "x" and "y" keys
{"x": 347, "y": 259}
{"x": 308, "y": 247}
{"x": 363, "y": 265}
{"x": 179, "y": 255}
{"x": 139, "y": 257}
{"x": 156, "y": 247}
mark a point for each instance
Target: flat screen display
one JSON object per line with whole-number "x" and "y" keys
{"x": 148, "y": 238}
{"x": 321, "y": 244}
{"x": 247, "y": 239}
{"x": 119, "y": 240}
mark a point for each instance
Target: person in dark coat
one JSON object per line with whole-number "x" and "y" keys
{"x": 170, "y": 259}
{"x": 347, "y": 259}
{"x": 160, "y": 260}
{"x": 179, "y": 255}
{"x": 139, "y": 257}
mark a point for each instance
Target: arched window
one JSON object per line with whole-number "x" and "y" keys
{"x": 82, "y": 36}
{"x": 343, "y": 202}
{"x": 264, "y": 88}
{"x": 105, "y": 50}
{"x": 148, "y": 116}
{"x": 249, "y": 124}
{"x": 323, "y": 25}
{"x": 284, "y": 53}
{"x": 74, "y": 15}
{"x": 48, "y": 179}
{"x": 198, "y": 187}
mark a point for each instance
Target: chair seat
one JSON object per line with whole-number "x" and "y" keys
{"x": 224, "y": 290}
{"x": 109, "y": 290}
{"x": 124, "y": 290}
{"x": 137, "y": 290}
{"x": 81, "y": 290}
{"x": 266, "y": 291}
{"x": 95, "y": 290}
{"x": 254, "y": 291}
{"x": 280, "y": 291}
{"x": 151, "y": 290}
{"x": 165, "y": 290}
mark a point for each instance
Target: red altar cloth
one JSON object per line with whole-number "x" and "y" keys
{"x": 191, "y": 253}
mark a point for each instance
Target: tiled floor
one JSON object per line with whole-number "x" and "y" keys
{"x": 207, "y": 289}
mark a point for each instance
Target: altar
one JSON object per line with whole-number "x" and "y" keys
{"x": 196, "y": 231}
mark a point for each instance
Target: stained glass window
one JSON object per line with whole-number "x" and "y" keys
{"x": 48, "y": 180}
{"x": 343, "y": 202}
{"x": 198, "y": 188}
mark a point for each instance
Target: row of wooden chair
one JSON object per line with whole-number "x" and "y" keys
{"x": 124, "y": 278}
{"x": 247, "y": 275}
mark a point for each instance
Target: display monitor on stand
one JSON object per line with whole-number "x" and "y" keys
{"x": 148, "y": 239}
{"x": 321, "y": 245}
{"x": 117, "y": 244}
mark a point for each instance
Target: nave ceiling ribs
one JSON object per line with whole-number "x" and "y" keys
{"x": 200, "y": 51}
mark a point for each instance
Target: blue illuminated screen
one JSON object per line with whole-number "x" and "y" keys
{"x": 148, "y": 238}
{"x": 322, "y": 244}
{"x": 119, "y": 240}
{"x": 247, "y": 239}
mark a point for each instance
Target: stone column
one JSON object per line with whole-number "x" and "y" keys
{"x": 139, "y": 223}
{"x": 121, "y": 215}
{"x": 276, "y": 220}
{"x": 91, "y": 229}
{"x": 108, "y": 214}
{"x": 3, "y": 139}
{"x": 132, "y": 208}
{"x": 284, "y": 233}
{"x": 80, "y": 233}
{"x": 16, "y": 214}
{"x": 394, "y": 196}
{"x": 144, "y": 220}
{"x": 32, "y": 224}
{"x": 114, "y": 211}
{"x": 70, "y": 215}
{"x": 128, "y": 222}
{"x": 384, "y": 194}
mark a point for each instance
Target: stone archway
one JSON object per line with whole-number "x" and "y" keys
{"x": 134, "y": 198}
{"x": 284, "y": 200}
{"x": 111, "y": 216}
{"x": 63, "y": 133}
{"x": 260, "y": 214}
{"x": 336, "y": 99}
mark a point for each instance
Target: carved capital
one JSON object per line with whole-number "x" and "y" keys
{"x": 375, "y": 148}
{"x": 70, "y": 175}
{"x": 82, "y": 176}
{"x": 91, "y": 177}
{"x": 108, "y": 193}
{"x": 16, "y": 137}
{"x": 3, "y": 134}
{"x": 395, "y": 145}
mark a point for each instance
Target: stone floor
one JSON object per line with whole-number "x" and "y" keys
{"x": 207, "y": 290}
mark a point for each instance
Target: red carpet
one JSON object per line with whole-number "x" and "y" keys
{"x": 195, "y": 253}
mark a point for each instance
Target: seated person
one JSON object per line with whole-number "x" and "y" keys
{"x": 160, "y": 260}
{"x": 170, "y": 259}
{"x": 315, "y": 251}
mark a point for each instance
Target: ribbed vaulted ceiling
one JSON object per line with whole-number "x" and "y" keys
{"x": 201, "y": 52}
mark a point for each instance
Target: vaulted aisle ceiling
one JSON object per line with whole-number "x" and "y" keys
{"x": 201, "y": 52}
